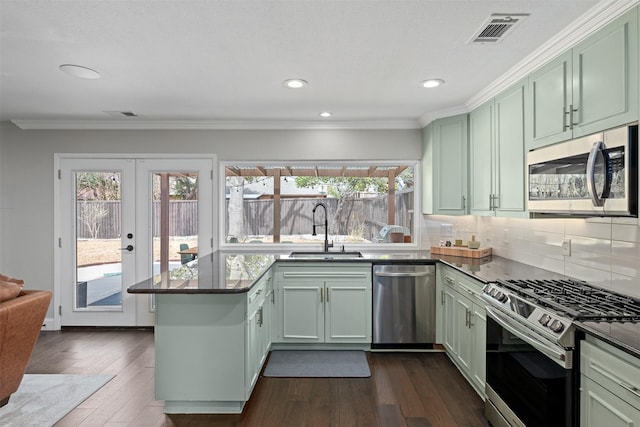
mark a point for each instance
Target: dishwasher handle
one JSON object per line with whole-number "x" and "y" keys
{"x": 403, "y": 274}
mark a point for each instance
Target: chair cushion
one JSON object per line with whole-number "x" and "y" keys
{"x": 9, "y": 290}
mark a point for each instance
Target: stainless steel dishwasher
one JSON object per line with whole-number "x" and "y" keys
{"x": 404, "y": 305}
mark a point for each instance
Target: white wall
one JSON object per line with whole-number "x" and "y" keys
{"x": 27, "y": 177}
{"x": 604, "y": 251}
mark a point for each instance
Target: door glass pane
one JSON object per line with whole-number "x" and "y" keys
{"x": 175, "y": 223}
{"x": 98, "y": 241}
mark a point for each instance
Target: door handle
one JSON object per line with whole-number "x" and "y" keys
{"x": 128, "y": 248}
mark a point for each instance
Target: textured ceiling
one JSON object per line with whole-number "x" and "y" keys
{"x": 225, "y": 61}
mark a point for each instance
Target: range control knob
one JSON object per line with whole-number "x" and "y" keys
{"x": 500, "y": 296}
{"x": 556, "y": 326}
{"x": 544, "y": 319}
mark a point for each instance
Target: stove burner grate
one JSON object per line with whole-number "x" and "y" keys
{"x": 578, "y": 300}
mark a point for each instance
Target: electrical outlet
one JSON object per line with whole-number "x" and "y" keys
{"x": 566, "y": 247}
{"x": 446, "y": 230}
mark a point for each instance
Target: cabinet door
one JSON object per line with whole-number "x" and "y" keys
{"x": 302, "y": 310}
{"x": 479, "y": 344}
{"x": 253, "y": 348}
{"x": 463, "y": 311}
{"x": 599, "y": 407}
{"x": 348, "y": 311}
{"x": 449, "y": 320}
{"x": 449, "y": 163}
{"x": 265, "y": 326}
{"x": 605, "y": 77}
{"x": 481, "y": 160}
{"x": 550, "y": 89}
{"x": 509, "y": 159}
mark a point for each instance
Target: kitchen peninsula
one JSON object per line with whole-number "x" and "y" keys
{"x": 218, "y": 317}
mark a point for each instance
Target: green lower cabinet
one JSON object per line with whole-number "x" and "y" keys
{"x": 609, "y": 386}
{"x": 463, "y": 322}
{"x": 201, "y": 349}
{"x": 210, "y": 348}
{"x": 323, "y": 303}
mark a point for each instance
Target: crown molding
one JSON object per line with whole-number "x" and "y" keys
{"x": 594, "y": 19}
{"x": 134, "y": 124}
{"x": 427, "y": 118}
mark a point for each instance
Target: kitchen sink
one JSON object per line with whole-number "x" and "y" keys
{"x": 325, "y": 255}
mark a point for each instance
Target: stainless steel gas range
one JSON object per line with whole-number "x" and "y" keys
{"x": 531, "y": 347}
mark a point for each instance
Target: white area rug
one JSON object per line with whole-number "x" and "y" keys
{"x": 322, "y": 363}
{"x": 43, "y": 399}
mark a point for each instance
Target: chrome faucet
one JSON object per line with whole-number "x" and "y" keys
{"x": 327, "y": 245}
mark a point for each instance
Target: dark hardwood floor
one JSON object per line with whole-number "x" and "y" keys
{"x": 405, "y": 389}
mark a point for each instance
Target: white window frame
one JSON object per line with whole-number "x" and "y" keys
{"x": 276, "y": 247}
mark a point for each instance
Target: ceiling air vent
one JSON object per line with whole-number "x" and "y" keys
{"x": 496, "y": 27}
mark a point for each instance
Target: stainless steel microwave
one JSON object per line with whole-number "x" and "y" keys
{"x": 596, "y": 175}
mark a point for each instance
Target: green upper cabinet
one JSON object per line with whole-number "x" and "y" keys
{"x": 481, "y": 160}
{"x": 590, "y": 88}
{"x": 497, "y": 156}
{"x": 510, "y": 171}
{"x": 444, "y": 166}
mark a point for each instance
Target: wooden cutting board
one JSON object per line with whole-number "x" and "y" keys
{"x": 461, "y": 251}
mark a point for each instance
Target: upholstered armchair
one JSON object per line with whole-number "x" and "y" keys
{"x": 20, "y": 323}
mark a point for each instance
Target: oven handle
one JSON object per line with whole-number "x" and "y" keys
{"x": 557, "y": 355}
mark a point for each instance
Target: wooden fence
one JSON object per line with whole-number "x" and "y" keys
{"x": 363, "y": 217}
{"x": 102, "y": 219}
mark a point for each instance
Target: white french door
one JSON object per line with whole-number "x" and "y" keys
{"x": 122, "y": 221}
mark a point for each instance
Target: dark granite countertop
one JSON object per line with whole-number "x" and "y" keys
{"x": 224, "y": 273}
{"x": 625, "y": 336}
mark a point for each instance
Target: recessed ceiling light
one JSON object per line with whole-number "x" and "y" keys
{"x": 80, "y": 71}
{"x": 432, "y": 83}
{"x": 295, "y": 83}
{"x": 325, "y": 114}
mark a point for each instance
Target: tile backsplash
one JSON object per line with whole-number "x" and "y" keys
{"x": 603, "y": 251}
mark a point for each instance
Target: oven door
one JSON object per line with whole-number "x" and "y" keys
{"x": 530, "y": 381}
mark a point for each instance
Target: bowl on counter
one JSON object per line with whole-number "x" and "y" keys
{"x": 473, "y": 244}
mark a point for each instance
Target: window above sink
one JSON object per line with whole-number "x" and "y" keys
{"x": 273, "y": 203}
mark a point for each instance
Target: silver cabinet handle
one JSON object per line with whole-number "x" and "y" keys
{"x": 321, "y": 294}
{"x": 630, "y": 388}
{"x": 566, "y": 125}
{"x": 574, "y": 110}
{"x": 327, "y": 290}
{"x": 606, "y": 373}
{"x": 450, "y": 280}
{"x": 441, "y": 297}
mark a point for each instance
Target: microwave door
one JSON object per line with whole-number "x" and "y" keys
{"x": 599, "y": 174}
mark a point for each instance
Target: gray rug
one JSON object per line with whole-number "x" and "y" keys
{"x": 42, "y": 400}
{"x": 322, "y": 363}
